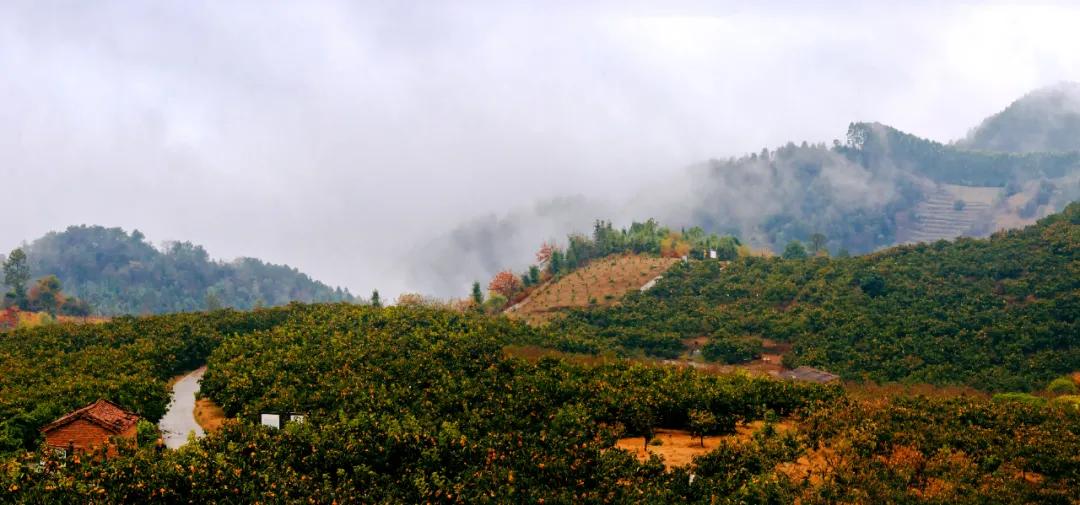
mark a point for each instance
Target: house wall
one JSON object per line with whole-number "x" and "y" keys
{"x": 81, "y": 432}
{"x": 84, "y": 434}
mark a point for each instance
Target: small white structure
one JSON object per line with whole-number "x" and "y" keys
{"x": 271, "y": 420}
{"x": 277, "y": 419}
{"x": 712, "y": 254}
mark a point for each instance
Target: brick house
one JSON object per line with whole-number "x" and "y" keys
{"x": 91, "y": 426}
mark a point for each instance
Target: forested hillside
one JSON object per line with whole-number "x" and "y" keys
{"x": 1047, "y": 119}
{"x": 997, "y": 313}
{"x": 121, "y": 273}
{"x": 873, "y": 187}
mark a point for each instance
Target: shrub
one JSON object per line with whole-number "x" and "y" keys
{"x": 1062, "y": 386}
{"x": 1018, "y": 398}
{"x": 146, "y": 433}
{"x": 732, "y": 350}
{"x": 958, "y": 205}
{"x": 1067, "y": 401}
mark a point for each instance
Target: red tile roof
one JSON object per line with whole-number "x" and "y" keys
{"x": 104, "y": 413}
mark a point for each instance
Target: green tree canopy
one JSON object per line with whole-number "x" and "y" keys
{"x": 794, "y": 251}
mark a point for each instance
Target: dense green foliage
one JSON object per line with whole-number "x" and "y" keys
{"x": 51, "y": 370}
{"x": 647, "y": 237}
{"x": 423, "y": 406}
{"x": 732, "y": 350}
{"x": 118, "y": 273}
{"x": 414, "y": 405}
{"x": 996, "y": 313}
{"x": 961, "y": 450}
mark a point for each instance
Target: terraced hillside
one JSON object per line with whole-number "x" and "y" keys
{"x": 602, "y": 282}
{"x": 950, "y": 211}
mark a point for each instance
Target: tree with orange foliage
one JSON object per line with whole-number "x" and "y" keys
{"x": 546, "y": 250}
{"x": 9, "y": 318}
{"x": 464, "y": 305}
{"x": 46, "y": 296}
{"x": 411, "y": 300}
{"x": 505, "y": 283}
{"x": 682, "y": 249}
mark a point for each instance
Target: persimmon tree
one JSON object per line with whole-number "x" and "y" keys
{"x": 505, "y": 283}
{"x": 543, "y": 257}
{"x": 9, "y": 318}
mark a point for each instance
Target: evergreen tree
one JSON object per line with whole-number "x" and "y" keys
{"x": 556, "y": 264}
{"x": 375, "y": 301}
{"x": 534, "y": 275}
{"x": 818, "y": 243}
{"x": 477, "y": 293}
{"x": 17, "y": 275}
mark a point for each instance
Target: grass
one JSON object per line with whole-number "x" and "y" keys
{"x": 208, "y": 415}
{"x": 678, "y": 447}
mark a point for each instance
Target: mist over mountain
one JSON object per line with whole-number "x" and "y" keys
{"x": 1046, "y": 119}
{"x": 879, "y": 187}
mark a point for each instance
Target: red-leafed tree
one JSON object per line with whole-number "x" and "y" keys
{"x": 9, "y": 318}
{"x": 505, "y": 283}
{"x": 544, "y": 255}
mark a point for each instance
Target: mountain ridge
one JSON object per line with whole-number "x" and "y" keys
{"x": 120, "y": 273}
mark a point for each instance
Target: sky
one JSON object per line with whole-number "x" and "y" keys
{"x": 339, "y": 137}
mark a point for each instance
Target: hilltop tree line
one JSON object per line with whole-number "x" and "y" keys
{"x": 853, "y": 191}
{"x": 874, "y": 144}
{"x": 120, "y": 273}
{"x": 43, "y": 296}
{"x": 1043, "y": 120}
{"x": 648, "y": 238}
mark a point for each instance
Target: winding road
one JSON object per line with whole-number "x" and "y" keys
{"x": 180, "y": 418}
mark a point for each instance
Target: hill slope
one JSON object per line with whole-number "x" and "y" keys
{"x": 996, "y": 313}
{"x": 863, "y": 193}
{"x": 601, "y": 282}
{"x": 120, "y": 273}
{"x": 1046, "y": 119}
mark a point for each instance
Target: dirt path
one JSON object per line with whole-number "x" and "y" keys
{"x": 180, "y": 418}
{"x": 651, "y": 283}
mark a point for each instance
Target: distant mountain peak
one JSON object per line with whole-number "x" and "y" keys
{"x": 1046, "y": 119}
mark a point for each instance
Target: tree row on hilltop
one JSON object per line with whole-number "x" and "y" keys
{"x": 121, "y": 273}
{"x": 646, "y": 238}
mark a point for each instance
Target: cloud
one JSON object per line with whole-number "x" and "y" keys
{"x": 340, "y": 136}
